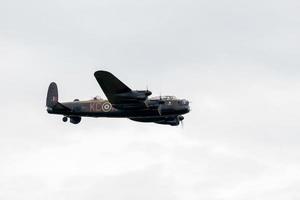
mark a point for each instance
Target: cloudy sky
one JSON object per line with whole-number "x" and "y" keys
{"x": 237, "y": 61}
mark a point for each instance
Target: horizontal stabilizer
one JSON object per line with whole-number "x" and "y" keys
{"x": 61, "y": 107}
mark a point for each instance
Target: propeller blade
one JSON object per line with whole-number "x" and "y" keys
{"x": 159, "y": 110}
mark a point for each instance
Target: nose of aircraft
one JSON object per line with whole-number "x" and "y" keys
{"x": 186, "y": 104}
{"x": 188, "y": 108}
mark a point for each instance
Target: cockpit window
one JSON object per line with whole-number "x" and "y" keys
{"x": 166, "y": 98}
{"x": 185, "y": 102}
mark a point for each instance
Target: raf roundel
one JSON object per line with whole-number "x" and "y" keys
{"x": 106, "y": 107}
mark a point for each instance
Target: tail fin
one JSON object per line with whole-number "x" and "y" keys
{"x": 52, "y": 96}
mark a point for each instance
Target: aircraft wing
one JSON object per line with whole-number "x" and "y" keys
{"x": 114, "y": 89}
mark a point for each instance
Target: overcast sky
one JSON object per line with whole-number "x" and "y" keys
{"x": 237, "y": 61}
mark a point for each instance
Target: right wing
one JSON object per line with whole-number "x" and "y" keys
{"x": 170, "y": 120}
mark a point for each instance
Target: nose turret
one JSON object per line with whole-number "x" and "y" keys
{"x": 187, "y": 108}
{"x": 185, "y": 104}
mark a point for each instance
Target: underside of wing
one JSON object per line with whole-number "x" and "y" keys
{"x": 170, "y": 120}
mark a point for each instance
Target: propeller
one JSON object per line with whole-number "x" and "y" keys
{"x": 159, "y": 109}
{"x": 161, "y": 101}
{"x": 180, "y": 119}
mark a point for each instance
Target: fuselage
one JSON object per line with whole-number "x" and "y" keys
{"x": 103, "y": 108}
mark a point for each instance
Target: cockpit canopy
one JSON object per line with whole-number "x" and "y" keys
{"x": 165, "y": 98}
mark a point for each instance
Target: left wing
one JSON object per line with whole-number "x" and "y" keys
{"x": 119, "y": 94}
{"x": 111, "y": 86}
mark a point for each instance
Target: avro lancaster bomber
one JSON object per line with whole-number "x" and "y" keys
{"x": 122, "y": 103}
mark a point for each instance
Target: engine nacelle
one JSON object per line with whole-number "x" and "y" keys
{"x": 75, "y": 120}
{"x": 140, "y": 95}
{"x": 172, "y": 122}
{"x": 146, "y": 92}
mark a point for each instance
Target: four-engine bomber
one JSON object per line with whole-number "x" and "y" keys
{"x": 122, "y": 103}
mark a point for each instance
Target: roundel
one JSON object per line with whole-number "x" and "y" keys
{"x": 106, "y": 107}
